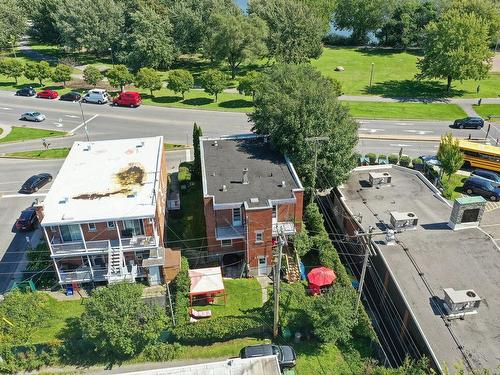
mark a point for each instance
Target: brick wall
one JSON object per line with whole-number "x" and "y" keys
{"x": 212, "y": 243}
{"x": 259, "y": 220}
{"x": 224, "y": 218}
{"x": 102, "y": 232}
{"x": 286, "y": 212}
{"x": 299, "y": 208}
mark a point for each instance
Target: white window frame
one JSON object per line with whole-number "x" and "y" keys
{"x": 259, "y": 233}
{"x": 226, "y": 245}
{"x": 54, "y": 228}
{"x": 112, "y": 226}
{"x": 92, "y": 229}
{"x": 239, "y": 222}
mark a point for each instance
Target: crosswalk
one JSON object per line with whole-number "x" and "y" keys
{"x": 491, "y": 206}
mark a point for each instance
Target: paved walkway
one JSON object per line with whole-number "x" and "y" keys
{"x": 27, "y": 51}
{"x": 264, "y": 282}
{"x": 5, "y": 130}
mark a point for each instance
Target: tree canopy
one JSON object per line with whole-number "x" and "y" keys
{"x": 61, "y": 73}
{"x": 213, "y": 81}
{"x": 37, "y": 70}
{"x": 13, "y": 68}
{"x": 449, "y": 154}
{"x": 456, "y": 48}
{"x": 119, "y": 76}
{"x": 295, "y": 102}
{"x": 180, "y": 81}
{"x": 92, "y": 75}
{"x": 13, "y": 23}
{"x": 150, "y": 79}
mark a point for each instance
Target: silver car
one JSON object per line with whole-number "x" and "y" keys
{"x": 32, "y": 116}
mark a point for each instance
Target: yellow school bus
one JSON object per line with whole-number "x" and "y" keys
{"x": 478, "y": 155}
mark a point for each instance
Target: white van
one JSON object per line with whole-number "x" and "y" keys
{"x": 99, "y": 96}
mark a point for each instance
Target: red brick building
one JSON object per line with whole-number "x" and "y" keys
{"x": 250, "y": 194}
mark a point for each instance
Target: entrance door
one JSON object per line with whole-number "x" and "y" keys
{"x": 275, "y": 214}
{"x": 262, "y": 269}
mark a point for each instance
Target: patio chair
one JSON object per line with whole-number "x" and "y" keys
{"x": 200, "y": 314}
{"x": 193, "y": 320}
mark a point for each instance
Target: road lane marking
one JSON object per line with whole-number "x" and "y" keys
{"x": 24, "y": 195}
{"x": 5, "y": 108}
{"x": 72, "y": 116}
{"x": 371, "y": 130}
{"x": 399, "y": 145}
{"x": 419, "y": 132}
{"x": 83, "y": 123}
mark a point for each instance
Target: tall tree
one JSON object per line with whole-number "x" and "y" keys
{"x": 95, "y": 25}
{"x": 295, "y": 30}
{"x": 119, "y": 76}
{"x": 37, "y": 70}
{"x": 213, "y": 81}
{"x": 361, "y": 16}
{"x": 61, "y": 73}
{"x": 149, "y": 42}
{"x": 488, "y": 10}
{"x": 11, "y": 68}
{"x": 180, "y": 81}
{"x": 247, "y": 84}
{"x": 197, "y": 133}
{"x": 456, "y": 47}
{"x": 294, "y": 103}
{"x": 449, "y": 154}
{"x": 150, "y": 79}
{"x": 236, "y": 38}
{"x": 13, "y": 23}
{"x": 92, "y": 75}
{"x": 43, "y": 25}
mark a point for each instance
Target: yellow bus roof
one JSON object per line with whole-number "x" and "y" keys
{"x": 495, "y": 150}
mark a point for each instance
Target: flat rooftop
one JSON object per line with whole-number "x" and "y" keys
{"x": 106, "y": 180}
{"x": 234, "y": 366}
{"x": 223, "y": 162}
{"x": 464, "y": 259}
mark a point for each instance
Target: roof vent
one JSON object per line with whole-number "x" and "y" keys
{"x": 215, "y": 144}
{"x": 403, "y": 220}
{"x": 64, "y": 200}
{"x": 224, "y": 188}
{"x": 254, "y": 200}
{"x": 379, "y": 179}
{"x": 213, "y": 174}
{"x": 459, "y": 303}
{"x": 87, "y": 147}
{"x": 139, "y": 144}
{"x": 244, "y": 179}
{"x": 132, "y": 194}
{"x": 283, "y": 183}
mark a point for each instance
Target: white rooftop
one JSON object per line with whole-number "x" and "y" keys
{"x": 105, "y": 181}
{"x": 234, "y": 366}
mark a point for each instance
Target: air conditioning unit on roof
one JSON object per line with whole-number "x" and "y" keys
{"x": 459, "y": 303}
{"x": 403, "y": 220}
{"x": 379, "y": 178}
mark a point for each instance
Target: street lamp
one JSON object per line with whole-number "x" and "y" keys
{"x": 112, "y": 58}
{"x": 83, "y": 118}
{"x": 371, "y": 75}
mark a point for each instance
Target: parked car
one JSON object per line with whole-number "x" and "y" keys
{"x": 480, "y": 186}
{"x": 35, "y": 182}
{"x": 286, "y": 354}
{"x": 71, "y": 97}
{"x": 27, "y": 220}
{"x": 99, "y": 96}
{"x": 469, "y": 122}
{"x": 489, "y": 175}
{"x": 26, "y": 91}
{"x": 47, "y": 94}
{"x": 32, "y": 116}
{"x": 128, "y": 99}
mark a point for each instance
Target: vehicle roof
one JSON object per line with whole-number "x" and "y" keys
{"x": 97, "y": 91}
{"x": 479, "y": 147}
{"x": 484, "y": 171}
{"x": 130, "y": 93}
{"x": 258, "y": 350}
{"x": 27, "y": 213}
{"x": 478, "y": 180}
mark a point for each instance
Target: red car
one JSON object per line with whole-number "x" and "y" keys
{"x": 47, "y": 94}
{"x": 128, "y": 99}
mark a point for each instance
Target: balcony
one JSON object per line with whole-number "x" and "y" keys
{"x": 285, "y": 227}
{"x": 97, "y": 247}
{"x": 229, "y": 233}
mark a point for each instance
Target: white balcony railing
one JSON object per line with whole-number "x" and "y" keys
{"x": 78, "y": 247}
{"x": 285, "y": 227}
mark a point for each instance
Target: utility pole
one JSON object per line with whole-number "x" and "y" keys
{"x": 371, "y": 75}
{"x": 170, "y": 303}
{"x": 315, "y": 140}
{"x": 277, "y": 280}
{"x": 363, "y": 270}
{"x": 83, "y": 118}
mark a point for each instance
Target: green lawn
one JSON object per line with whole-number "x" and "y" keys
{"x": 453, "y": 186}
{"x": 23, "y": 134}
{"x": 393, "y": 75}
{"x": 415, "y": 111}
{"x": 485, "y": 110}
{"x": 174, "y": 146}
{"x": 53, "y": 153}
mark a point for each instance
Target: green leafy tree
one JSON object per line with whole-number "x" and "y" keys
{"x": 236, "y": 38}
{"x": 61, "y": 73}
{"x": 118, "y": 324}
{"x": 13, "y": 68}
{"x": 13, "y": 23}
{"x": 294, "y": 103}
{"x": 361, "y": 16}
{"x": 213, "y": 82}
{"x": 180, "y": 81}
{"x": 92, "y": 75}
{"x": 248, "y": 83}
{"x": 41, "y": 14}
{"x": 95, "y": 25}
{"x": 295, "y": 29}
{"x": 302, "y": 242}
{"x": 456, "y": 47}
{"x": 333, "y": 314}
{"x": 197, "y": 133}
{"x": 487, "y": 10}
{"x": 37, "y": 70}
{"x": 148, "y": 78}
{"x": 149, "y": 43}
{"x": 119, "y": 76}
{"x": 449, "y": 155}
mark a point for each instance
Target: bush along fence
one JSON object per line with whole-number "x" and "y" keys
{"x": 404, "y": 160}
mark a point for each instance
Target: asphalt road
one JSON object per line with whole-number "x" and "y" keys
{"x": 387, "y": 147}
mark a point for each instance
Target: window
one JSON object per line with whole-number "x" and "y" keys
{"x": 275, "y": 215}
{"x": 71, "y": 233}
{"x": 132, "y": 228}
{"x": 259, "y": 236}
{"x": 110, "y": 224}
{"x": 92, "y": 227}
{"x": 236, "y": 216}
{"x": 53, "y": 228}
{"x": 226, "y": 243}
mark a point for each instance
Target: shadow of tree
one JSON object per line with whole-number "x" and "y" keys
{"x": 424, "y": 91}
{"x": 236, "y": 103}
{"x": 388, "y": 51}
{"x": 197, "y": 101}
{"x": 163, "y": 99}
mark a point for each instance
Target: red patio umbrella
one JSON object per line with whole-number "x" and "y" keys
{"x": 321, "y": 276}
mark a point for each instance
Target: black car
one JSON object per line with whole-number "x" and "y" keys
{"x": 35, "y": 182}
{"x": 480, "y": 186}
{"x": 27, "y": 220}
{"x": 286, "y": 355}
{"x": 71, "y": 97}
{"x": 26, "y": 91}
{"x": 489, "y": 175}
{"x": 469, "y": 122}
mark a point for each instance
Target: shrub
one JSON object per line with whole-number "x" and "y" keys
{"x": 180, "y": 291}
{"x": 28, "y": 357}
{"x": 372, "y": 158}
{"x": 313, "y": 219}
{"x": 301, "y": 242}
{"x": 404, "y": 161}
{"x": 38, "y": 260}
{"x": 382, "y": 159}
{"x": 161, "y": 352}
{"x": 393, "y": 159}
{"x": 358, "y": 158}
{"x": 417, "y": 161}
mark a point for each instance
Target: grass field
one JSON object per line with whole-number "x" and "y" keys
{"x": 485, "y": 110}
{"x": 23, "y": 134}
{"x": 174, "y": 146}
{"x": 415, "y": 111}
{"x": 53, "y": 153}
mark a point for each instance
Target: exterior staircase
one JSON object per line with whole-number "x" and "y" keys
{"x": 293, "y": 273}
{"x": 117, "y": 269}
